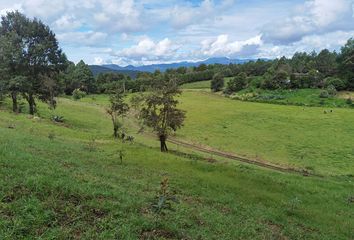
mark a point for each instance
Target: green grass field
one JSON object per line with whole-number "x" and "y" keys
{"x": 65, "y": 181}
{"x": 197, "y": 85}
{"x": 302, "y": 97}
{"x": 301, "y": 137}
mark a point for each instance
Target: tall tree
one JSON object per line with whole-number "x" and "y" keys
{"x": 159, "y": 110}
{"x": 10, "y": 56}
{"x": 84, "y": 77}
{"x": 346, "y": 63}
{"x": 40, "y": 58}
{"x": 326, "y": 63}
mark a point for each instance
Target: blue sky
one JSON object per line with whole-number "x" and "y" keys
{"x": 154, "y": 31}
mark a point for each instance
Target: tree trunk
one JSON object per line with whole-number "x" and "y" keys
{"x": 14, "y": 102}
{"x": 32, "y": 104}
{"x": 163, "y": 145}
{"x": 115, "y": 132}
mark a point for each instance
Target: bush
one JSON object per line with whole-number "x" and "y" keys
{"x": 324, "y": 94}
{"x": 332, "y": 91}
{"x": 78, "y": 94}
{"x": 256, "y": 82}
{"x": 338, "y": 83}
{"x": 237, "y": 83}
{"x": 349, "y": 101}
{"x": 217, "y": 83}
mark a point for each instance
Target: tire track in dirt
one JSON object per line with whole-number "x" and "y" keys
{"x": 240, "y": 159}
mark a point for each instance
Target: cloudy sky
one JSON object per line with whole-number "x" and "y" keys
{"x": 153, "y": 31}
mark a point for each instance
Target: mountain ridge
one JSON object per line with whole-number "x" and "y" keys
{"x": 164, "y": 66}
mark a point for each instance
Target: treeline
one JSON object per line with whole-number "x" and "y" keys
{"x": 328, "y": 70}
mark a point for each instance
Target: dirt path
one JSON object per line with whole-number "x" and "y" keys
{"x": 240, "y": 159}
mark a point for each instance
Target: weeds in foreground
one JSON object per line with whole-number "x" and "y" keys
{"x": 91, "y": 145}
{"x": 165, "y": 199}
{"x": 293, "y": 205}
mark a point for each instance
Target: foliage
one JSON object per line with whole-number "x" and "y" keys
{"x": 346, "y": 63}
{"x": 78, "y": 94}
{"x": 37, "y": 57}
{"x": 57, "y": 118}
{"x": 164, "y": 198}
{"x": 117, "y": 109}
{"x": 237, "y": 83}
{"x": 159, "y": 111}
{"x": 332, "y": 91}
{"x": 324, "y": 94}
{"x": 217, "y": 83}
{"x": 338, "y": 83}
{"x": 276, "y": 80}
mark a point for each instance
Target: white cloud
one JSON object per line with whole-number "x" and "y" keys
{"x": 10, "y": 8}
{"x": 67, "y": 22}
{"x": 89, "y": 38}
{"x": 98, "y": 61}
{"x": 313, "y": 17}
{"x": 222, "y": 46}
{"x": 147, "y": 49}
{"x": 182, "y": 16}
{"x": 331, "y": 41}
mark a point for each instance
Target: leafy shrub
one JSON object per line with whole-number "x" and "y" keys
{"x": 58, "y": 119}
{"x": 332, "y": 91}
{"x": 237, "y": 83}
{"x": 217, "y": 83}
{"x": 78, "y": 94}
{"x": 338, "y": 83}
{"x": 276, "y": 80}
{"x": 51, "y": 136}
{"x": 324, "y": 94}
{"x": 349, "y": 101}
{"x": 256, "y": 82}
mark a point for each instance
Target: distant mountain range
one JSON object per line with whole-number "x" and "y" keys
{"x": 133, "y": 71}
{"x": 97, "y": 69}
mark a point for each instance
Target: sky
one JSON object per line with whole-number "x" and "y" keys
{"x": 141, "y": 32}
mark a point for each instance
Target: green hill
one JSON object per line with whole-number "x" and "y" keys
{"x": 66, "y": 181}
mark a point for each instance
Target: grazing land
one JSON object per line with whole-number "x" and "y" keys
{"x": 66, "y": 180}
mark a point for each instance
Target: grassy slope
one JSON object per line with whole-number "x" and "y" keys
{"x": 304, "y": 97}
{"x": 197, "y": 85}
{"x": 289, "y": 135}
{"x": 70, "y": 187}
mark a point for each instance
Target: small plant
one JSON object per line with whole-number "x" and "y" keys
{"x": 21, "y": 107}
{"x": 121, "y": 156}
{"x": 58, "y": 119}
{"x": 91, "y": 145}
{"x": 349, "y": 101}
{"x": 78, "y": 94}
{"x": 293, "y": 205}
{"x": 51, "y": 136}
{"x": 164, "y": 199}
{"x": 324, "y": 94}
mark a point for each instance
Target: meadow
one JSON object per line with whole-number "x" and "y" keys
{"x": 66, "y": 181}
{"x": 317, "y": 139}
